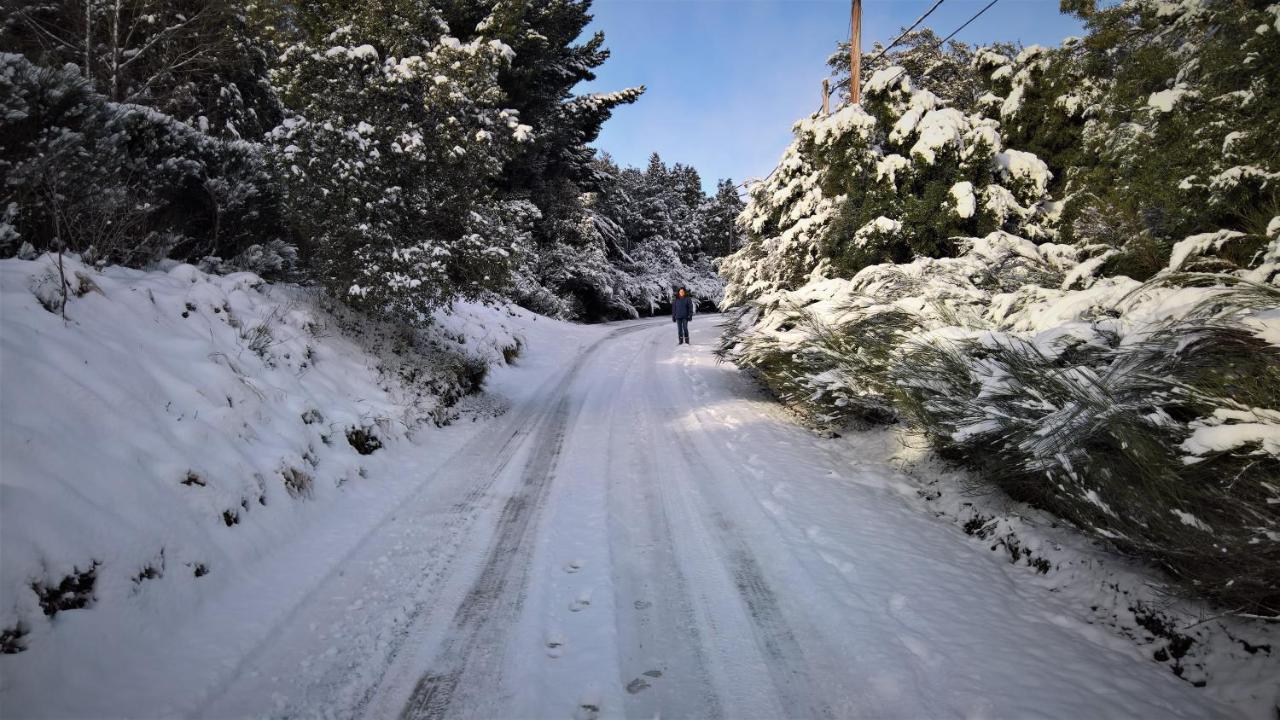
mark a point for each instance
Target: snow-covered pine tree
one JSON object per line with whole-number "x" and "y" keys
{"x": 902, "y": 175}
{"x": 663, "y": 213}
{"x": 941, "y": 68}
{"x": 1149, "y": 124}
{"x": 121, "y": 182}
{"x": 722, "y": 235}
{"x": 399, "y": 131}
{"x": 196, "y": 60}
{"x": 553, "y": 169}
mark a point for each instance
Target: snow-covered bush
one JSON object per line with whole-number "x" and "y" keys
{"x": 907, "y": 260}
{"x": 272, "y": 260}
{"x": 1145, "y": 414}
{"x": 399, "y": 134}
{"x": 829, "y": 345}
{"x": 1162, "y": 437}
{"x": 833, "y": 371}
{"x": 118, "y": 182}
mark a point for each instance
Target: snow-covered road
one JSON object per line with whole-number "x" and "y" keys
{"x": 641, "y": 535}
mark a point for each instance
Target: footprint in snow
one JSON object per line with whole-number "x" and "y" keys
{"x": 573, "y": 566}
{"x": 581, "y": 602}
{"x": 588, "y": 708}
{"x": 637, "y": 685}
{"x": 643, "y": 604}
{"x": 900, "y": 609}
{"x": 555, "y": 644}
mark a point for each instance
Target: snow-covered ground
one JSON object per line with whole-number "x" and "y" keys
{"x": 641, "y": 533}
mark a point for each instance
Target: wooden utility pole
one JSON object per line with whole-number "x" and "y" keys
{"x": 826, "y": 93}
{"x": 855, "y": 54}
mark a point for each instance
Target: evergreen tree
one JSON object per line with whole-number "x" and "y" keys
{"x": 722, "y": 236}
{"x": 553, "y": 169}
{"x": 400, "y": 131}
{"x": 196, "y": 60}
{"x": 121, "y": 182}
{"x": 943, "y": 70}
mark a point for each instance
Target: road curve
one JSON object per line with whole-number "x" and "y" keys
{"x": 646, "y": 536}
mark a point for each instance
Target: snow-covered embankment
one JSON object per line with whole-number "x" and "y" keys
{"x": 174, "y": 427}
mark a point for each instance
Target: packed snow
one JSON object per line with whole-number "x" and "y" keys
{"x": 617, "y": 527}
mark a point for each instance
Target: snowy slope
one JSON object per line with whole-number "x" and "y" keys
{"x": 178, "y": 427}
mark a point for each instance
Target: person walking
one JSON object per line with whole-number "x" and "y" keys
{"x": 681, "y": 314}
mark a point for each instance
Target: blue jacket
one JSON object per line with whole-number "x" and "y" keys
{"x": 682, "y": 308}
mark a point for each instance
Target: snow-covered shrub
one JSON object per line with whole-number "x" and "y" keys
{"x": 399, "y": 135}
{"x": 1162, "y": 438}
{"x": 272, "y": 260}
{"x": 118, "y": 182}
{"x": 827, "y": 346}
{"x": 1148, "y": 415}
{"x": 829, "y": 363}
{"x": 901, "y": 176}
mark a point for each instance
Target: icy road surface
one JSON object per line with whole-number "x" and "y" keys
{"x": 641, "y": 535}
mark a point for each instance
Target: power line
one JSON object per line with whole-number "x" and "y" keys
{"x": 966, "y": 22}
{"x": 853, "y": 92}
{"x": 944, "y": 40}
{"x": 906, "y": 32}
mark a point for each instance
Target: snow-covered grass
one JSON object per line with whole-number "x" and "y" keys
{"x": 176, "y": 426}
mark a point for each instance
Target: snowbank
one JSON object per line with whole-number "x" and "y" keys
{"x": 1232, "y": 659}
{"x": 1120, "y": 406}
{"x": 177, "y": 426}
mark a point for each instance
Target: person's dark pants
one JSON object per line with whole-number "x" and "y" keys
{"x": 682, "y": 327}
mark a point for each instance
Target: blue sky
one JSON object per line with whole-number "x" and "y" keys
{"x": 727, "y": 78}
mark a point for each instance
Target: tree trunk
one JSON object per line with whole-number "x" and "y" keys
{"x": 88, "y": 40}
{"x": 115, "y": 53}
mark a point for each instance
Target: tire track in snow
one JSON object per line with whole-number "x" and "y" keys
{"x": 355, "y": 679}
{"x": 494, "y": 600}
{"x": 441, "y": 552}
{"x": 785, "y": 658}
{"x": 659, "y": 627}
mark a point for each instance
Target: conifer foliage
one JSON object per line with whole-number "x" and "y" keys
{"x": 400, "y": 153}
{"x": 129, "y": 130}
{"x": 1061, "y": 266}
{"x": 396, "y": 136}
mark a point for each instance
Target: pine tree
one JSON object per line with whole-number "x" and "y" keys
{"x": 399, "y": 132}
{"x": 553, "y": 169}
{"x": 121, "y": 182}
{"x": 196, "y": 60}
{"x": 723, "y": 236}
{"x": 943, "y": 70}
